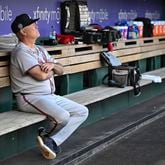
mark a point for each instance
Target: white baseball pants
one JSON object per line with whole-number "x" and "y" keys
{"x": 62, "y": 110}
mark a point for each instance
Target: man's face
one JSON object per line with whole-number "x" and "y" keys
{"x": 31, "y": 31}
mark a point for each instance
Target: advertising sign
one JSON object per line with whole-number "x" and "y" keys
{"x": 101, "y": 11}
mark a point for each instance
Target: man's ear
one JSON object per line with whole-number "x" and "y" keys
{"x": 22, "y": 31}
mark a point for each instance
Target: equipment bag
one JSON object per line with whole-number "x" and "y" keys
{"x": 91, "y": 37}
{"x": 120, "y": 75}
{"x": 102, "y": 36}
{"x": 74, "y": 16}
{"x": 110, "y": 34}
{"x": 147, "y": 26}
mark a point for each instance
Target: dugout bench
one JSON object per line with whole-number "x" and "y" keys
{"x": 81, "y": 82}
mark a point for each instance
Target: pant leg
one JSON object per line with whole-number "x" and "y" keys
{"x": 63, "y": 111}
{"x": 78, "y": 114}
{"x": 44, "y": 104}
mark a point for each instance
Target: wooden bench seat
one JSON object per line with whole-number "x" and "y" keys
{"x": 14, "y": 120}
{"x": 98, "y": 93}
{"x": 158, "y": 72}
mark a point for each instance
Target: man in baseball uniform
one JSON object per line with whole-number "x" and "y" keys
{"x": 32, "y": 72}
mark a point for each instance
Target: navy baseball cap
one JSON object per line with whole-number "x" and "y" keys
{"x": 22, "y": 21}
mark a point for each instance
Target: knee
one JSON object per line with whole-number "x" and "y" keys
{"x": 84, "y": 112}
{"x": 63, "y": 118}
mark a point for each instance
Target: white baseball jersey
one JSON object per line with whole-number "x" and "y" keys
{"x": 24, "y": 58}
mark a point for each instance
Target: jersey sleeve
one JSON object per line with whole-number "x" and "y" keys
{"x": 25, "y": 61}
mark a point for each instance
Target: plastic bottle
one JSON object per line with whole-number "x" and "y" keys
{"x": 52, "y": 34}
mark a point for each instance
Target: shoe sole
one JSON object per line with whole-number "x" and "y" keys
{"x": 46, "y": 151}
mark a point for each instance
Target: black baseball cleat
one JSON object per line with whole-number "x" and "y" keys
{"x": 48, "y": 147}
